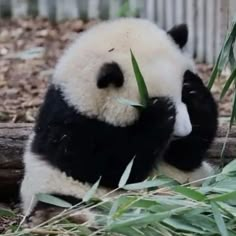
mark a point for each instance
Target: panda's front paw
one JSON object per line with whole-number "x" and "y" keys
{"x": 160, "y": 113}
{"x": 199, "y": 100}
{"x": 194, "y": 91}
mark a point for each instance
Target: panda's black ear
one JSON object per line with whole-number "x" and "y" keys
{"x": 179, "y": 34}
{"x": 110, "y": 74}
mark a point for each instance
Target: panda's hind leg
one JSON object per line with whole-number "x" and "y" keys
{"x": 195, "y": 177}
{"x": 43, "y": 212}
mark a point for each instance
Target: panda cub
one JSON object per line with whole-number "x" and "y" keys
{"x": 83, "y": 133}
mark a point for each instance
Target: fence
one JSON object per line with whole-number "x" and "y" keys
{"x": 207, "y": 19}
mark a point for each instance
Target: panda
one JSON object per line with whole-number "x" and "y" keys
{"x": 83, "y": 132}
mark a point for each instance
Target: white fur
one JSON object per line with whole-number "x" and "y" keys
{"x": 186, "y": 177}
{"x": 183, "y": 126}
{"x": 161, "y": 61}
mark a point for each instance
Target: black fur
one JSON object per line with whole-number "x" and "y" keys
{"x": 179, "y": 34}
{"x": 187, "y": 153}
{"x": 86, "y": 148}
{"x": 110, "y": 74}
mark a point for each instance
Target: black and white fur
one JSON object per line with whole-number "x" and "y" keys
{"x": 83, "y": 132}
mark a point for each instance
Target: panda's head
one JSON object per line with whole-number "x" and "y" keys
{"x": 96, "y": 70}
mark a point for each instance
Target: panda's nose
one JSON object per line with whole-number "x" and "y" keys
{"x": 183, "y": 126}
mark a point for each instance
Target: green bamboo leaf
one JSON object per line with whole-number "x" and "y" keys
{"x": 129, "y": 102}
{"x": 149, "y": 184}
{"x": 223, "y": 57}
{"x": 190, "y": 193}
{"x": 52, "y": 200}
{"x": 233, "y": 114}
{"x": 6, "y": 213}
{"x": 215, "y": 71}
{"x": 228, "y": 83}
{"x": 124, "y": 204}
{"x": 181, "y": 224}
{"x": 114, "y": 207}
{"x": 232, "y": 61}
{"x": 91, "y": 191}
{"x": 229, "y": 168}
{"x": 125, "y": 176}
{"x": 142, "y": 219}
{"x": 224, "y": 197}
{"x": 140, "y": 81}
{"x": 227, "y": 208}
{"x": 204, "y": 222}
{"x": 219, "y": 219}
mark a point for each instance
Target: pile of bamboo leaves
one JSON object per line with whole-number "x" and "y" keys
{"x": 156, "y": 206}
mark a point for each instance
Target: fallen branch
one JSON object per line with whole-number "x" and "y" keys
{"x": 14, "y": 136}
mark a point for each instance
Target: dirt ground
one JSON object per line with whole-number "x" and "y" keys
{"x": 29, "y": 50}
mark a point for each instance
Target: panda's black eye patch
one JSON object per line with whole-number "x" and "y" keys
{"x": 110, "y": 74}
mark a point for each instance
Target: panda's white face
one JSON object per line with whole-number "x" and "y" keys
{"x": 161, "y": 61}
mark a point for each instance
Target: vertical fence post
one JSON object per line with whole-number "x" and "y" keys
{"x": 150, "y": 10}
{"x": 210, "y": 31}
{"x": 66, "y": 9}
{"x": 160, "y": 11}
{"x": 114, "y": 8}
{"x": 170, "y": 13}
{"x": 93, "y": 9}
{"x": 222, "y": 23}
{"x": 43, "y": 8}
{"x": 133, "y": 5}
{"x": 19, "y": 8}
{"x": 200, "y": 30}
{"x": 5, "y": 8}
{"x": 179, "y": 12}
{"x": 190, "y": 19}
{"x": 232, "y": 10}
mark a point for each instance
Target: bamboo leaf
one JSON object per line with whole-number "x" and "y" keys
{"x": 52, "y": 200}
{"x": 224, "y": 197}
{"x": 233, "y": 114}
{"x": 181, "y": 224}
{"x": 143, "y": 219}
{"x": 190, "y": 193}
{"x": 215, "y": 72}
{"x": 125, "y": 176}
{"x": 149, "y": 184}
{"x": 228, "y": 83}
{"x": 6, "y": 213}
{"x": 91, "y": 191}
{"x": 129, "y": 102}
{"x": 232, "y": 61}
{"x": 219, "y": 219}
{"x": 223, "y": 57}
{"x": 140, "y": 81}
{"x": 229, "y": 168}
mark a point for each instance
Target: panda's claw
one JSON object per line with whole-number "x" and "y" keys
{"x": 192, "y": 92}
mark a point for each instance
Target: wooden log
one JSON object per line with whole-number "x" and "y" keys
{"x": 14, "y": 136}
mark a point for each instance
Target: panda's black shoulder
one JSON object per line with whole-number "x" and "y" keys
{"x": 54, "y": 119}
{"x": 54, "y": 108}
